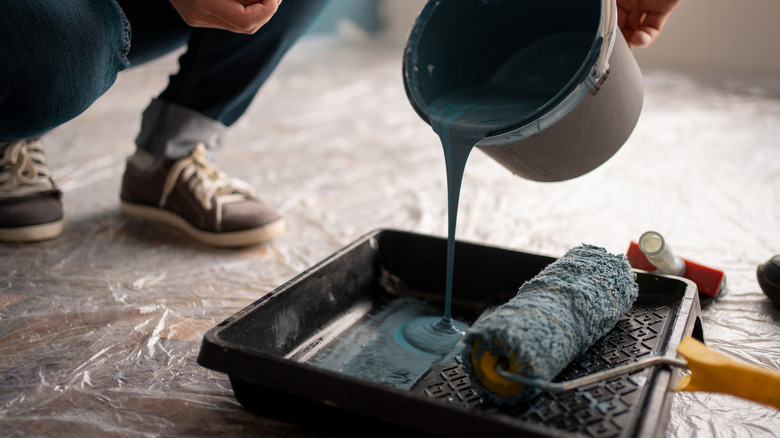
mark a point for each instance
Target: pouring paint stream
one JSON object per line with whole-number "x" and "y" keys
{"x": 516, "y": 92}
{"x": 461, "y": 119}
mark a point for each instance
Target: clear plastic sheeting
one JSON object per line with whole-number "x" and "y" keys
{"x": 100, "y": 328}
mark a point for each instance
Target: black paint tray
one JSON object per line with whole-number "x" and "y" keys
{"x": 270, "y": 349}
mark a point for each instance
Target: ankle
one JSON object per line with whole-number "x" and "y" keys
{"x": 169, "y": 130}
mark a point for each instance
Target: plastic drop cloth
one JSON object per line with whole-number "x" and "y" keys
{"x": 100, "y": 329}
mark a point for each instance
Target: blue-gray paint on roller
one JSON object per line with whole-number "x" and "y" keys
{"x": 553, "y": 318}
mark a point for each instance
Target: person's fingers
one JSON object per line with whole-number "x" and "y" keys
{"x": 241, "y": 16}
{"x": 649, "y": 29}
{"x": 629, "y": 21}
{"x": 196, "y": 18}
{"x": 640, "y": 38}
{"x": 248, "y": 16}
{"x": 641, "y": 21}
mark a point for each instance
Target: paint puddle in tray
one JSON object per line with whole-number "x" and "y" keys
{"x": 372, "y": 349}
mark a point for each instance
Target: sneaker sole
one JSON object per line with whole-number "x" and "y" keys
{"x": 230, "y": 239}
{"x": 33, "y": 233}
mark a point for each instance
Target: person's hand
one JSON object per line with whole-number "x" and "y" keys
{"x": 642, "y": 20}
{"x": 240, "y": 16}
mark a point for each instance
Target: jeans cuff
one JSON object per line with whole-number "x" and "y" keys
{"x": 172, "y": 131}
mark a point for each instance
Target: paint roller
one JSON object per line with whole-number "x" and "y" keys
{"x": 554, "y": 317}
{"x": 515, "y": 351}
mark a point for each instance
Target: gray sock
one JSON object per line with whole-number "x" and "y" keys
{"x": 172, "y": 131}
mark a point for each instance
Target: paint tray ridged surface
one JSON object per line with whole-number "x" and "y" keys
{"x": 322, "y": 350}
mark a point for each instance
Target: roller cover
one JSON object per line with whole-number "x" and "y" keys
{"x": 554, "y": 317}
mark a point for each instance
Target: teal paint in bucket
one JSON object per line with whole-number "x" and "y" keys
{"x": 589, "y": 102}
{"x": 548, "y": 88}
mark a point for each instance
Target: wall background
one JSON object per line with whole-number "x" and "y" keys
{"x": 730, "y": 36}
{"x": 720, "y": 36}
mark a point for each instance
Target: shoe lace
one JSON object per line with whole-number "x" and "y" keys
{"x": 210, "y": 187}
{"x": 23, "y": 168}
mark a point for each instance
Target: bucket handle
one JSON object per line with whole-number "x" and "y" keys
{"x": 608, "y": 31}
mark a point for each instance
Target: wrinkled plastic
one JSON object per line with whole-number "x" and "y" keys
{"x": 99, "y": 329}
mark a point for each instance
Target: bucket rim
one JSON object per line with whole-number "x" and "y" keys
{"x": 593, "y": 69}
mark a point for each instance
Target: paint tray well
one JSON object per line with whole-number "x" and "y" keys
{"x": 321, "y": 349}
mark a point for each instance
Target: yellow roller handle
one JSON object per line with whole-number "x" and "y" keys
{"x": 714, "y": 372}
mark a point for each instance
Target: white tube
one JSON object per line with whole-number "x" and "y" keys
{"x": 660, "y": 254}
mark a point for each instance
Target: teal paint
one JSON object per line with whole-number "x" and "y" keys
{"x": 432, "y": 335}
{"x": 595, "y": 403}
{"x": 370, "y": 350}
{"x": 516, "y": 91}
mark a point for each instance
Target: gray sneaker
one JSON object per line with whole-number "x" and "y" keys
{"x": 192, "y": 196}
{"x": 30, "y": 203}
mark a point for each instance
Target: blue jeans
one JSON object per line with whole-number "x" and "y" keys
{"x": 58, "y": 56}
